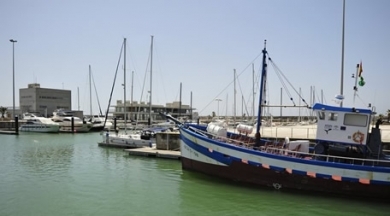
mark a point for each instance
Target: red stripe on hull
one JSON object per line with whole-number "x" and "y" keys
{"x": 245, "y": 173}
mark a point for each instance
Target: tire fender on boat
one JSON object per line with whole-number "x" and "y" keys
{"x": 277, "y": 186}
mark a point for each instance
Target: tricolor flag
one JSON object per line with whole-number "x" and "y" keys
{"x": 360, "y": 69}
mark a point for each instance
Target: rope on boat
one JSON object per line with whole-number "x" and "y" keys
{"x": 281, "y": 77}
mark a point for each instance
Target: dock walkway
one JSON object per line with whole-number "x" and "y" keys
{"x": 10, "y": 132}
{"x": 153, "y": 152}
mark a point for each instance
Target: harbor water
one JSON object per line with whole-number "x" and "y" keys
{"x": 69, "y": 174}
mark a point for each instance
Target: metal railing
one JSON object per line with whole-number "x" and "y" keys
{"x": 327, "y": 158}
{"x": 304, "y": 133}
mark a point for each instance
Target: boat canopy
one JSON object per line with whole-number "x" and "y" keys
{"x": 318, "y": 106}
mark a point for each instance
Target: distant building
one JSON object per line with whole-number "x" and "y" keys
{"x": 140, "y": 111}
{"x": 43, "y": 101}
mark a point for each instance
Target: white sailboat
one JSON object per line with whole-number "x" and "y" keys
{"x": 131, "y": 139}
{"x": 97, "y": 121}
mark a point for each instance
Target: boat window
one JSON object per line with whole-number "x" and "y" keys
{"x": 333, "y": 116}
{"x": 321, "y": 115}
{"x": 355, "y": 120}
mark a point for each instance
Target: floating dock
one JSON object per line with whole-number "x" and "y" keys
{"x": 10, "y": 132}
{"x": 103, "y": 144}
{"x": 153, "y": 152}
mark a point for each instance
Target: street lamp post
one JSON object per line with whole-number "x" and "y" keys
{"x": 218, "y": 100}
{"x": 13, "y": 74}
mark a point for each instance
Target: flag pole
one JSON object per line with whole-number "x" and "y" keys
{"x": 355, "y": 88}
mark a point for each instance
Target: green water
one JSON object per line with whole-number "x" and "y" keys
{"x": 65, "y": 174}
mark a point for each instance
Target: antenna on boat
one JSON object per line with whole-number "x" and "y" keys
{"x": 342, "y": 55}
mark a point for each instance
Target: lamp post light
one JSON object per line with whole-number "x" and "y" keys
{"x": 13, "y": 74}
{"x": 218, "y": 100}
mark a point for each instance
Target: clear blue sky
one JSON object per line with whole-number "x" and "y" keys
{"x": 196, "y": 43}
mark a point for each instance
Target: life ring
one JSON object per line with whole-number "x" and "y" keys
{"x": 358, "y": 137}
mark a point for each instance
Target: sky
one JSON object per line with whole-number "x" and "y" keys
{"x": 198, "y": 44}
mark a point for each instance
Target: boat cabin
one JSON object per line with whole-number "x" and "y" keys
{"x": 344, "y": 125}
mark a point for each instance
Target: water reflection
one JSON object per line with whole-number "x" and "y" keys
{"x": 44, "y": 154}
{"x": 70, "y": 175}
{"x": 221, "y": 197}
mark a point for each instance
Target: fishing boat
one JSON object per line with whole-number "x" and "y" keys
{"x": 346, "y": 159}
{"x": 38, "y": 124}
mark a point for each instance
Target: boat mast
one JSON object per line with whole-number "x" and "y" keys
{"x": 342, "y": 55}
{"x": 262, "y": 87}
{"x": 90, "y": 92}
{"x": 299, "y": 109}
{"x": 78, "y": 99}
{"x": 191, "y": 106}
{"x": 150, "y": 92}
{"x": 132, "y": 90}
{"x": 180, "y": 101}
{"x": 124, "y": 83}
{"x": 253, "y": 89}
{"x": 234, "y": 103}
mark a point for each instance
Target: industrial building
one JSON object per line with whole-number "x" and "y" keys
{"x": 135, "y": 111}
{"x": 43, "y": 101}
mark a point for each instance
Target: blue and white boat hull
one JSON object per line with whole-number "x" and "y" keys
{"x": 247, "y": 165}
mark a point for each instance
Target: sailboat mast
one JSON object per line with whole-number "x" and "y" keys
{"x": 180, "y": 100}
{"x": 262, "y": 86}
{"x": 253, "y": 89}
{"x": 150, "y": 92}
{"x": 90, "y": 92}
{"x": 299, "y": 109}
{"x": 124, "y": 83}
{"x": 132, "y": 90}
{"x": 191, "y": 106}
{"x": 234, "y": 103}
{"x": 78, "y": 99}
{"x": 342, "y": 55}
